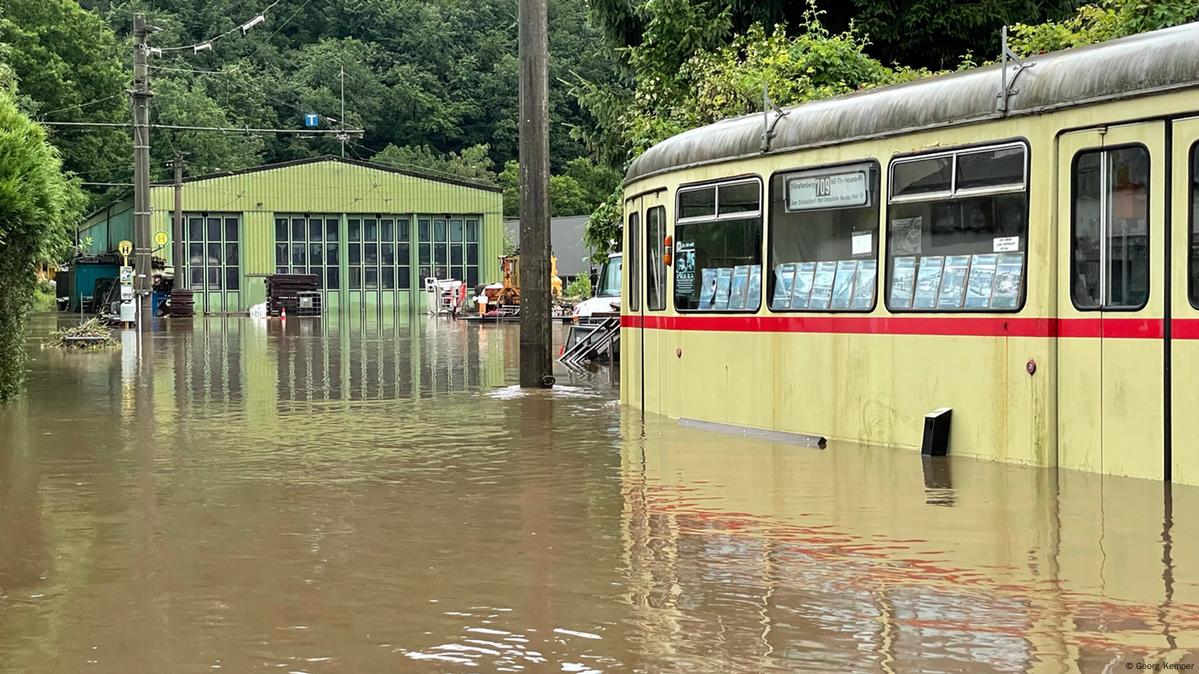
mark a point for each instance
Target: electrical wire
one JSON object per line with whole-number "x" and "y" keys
{"x": 249, "y": 87}
{"x": 223, "y": 129}
{"x": 194, "y": 46}
{"x": 80, "y": 106}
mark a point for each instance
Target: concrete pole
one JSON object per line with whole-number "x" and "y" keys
{"x": 177, "y": 251}
{"x": 141, "y": 171}
{"x": 536, "y": 359}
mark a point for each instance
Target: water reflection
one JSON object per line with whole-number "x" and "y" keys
{"x": 875, "y": 558}
{"x": 334, "y": 497}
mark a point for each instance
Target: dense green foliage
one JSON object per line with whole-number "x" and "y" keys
{"x": 919, "y": 33}
{"x": 437, "y": 74}
{"x": 38, "y": 208}
{"x": 69, "y": 65}
{"x": 809, "y": 64}
{"x": 1107, "y": 20}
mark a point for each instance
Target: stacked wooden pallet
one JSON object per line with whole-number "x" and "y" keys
{"x": 283, "y": 291}
{"x": 183, "y": 303}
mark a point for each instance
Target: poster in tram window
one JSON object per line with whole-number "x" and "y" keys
{"x": 982, "y": 278}
{"x": 803, "y": 285}
{"x": 1007, "y": 281}
{"x": 903, "y": 282}
{"x": 822, "y": 285}
{"x": 724, "y": 279}
{"x": 928, "y": 282}
{"x": 907, "y": 236}
{"x": 753, "y": 292}
{"x": 738, "y": 288}
{"x": 707, "y": 292}
{"x": 953, "y": 282}
{"x": 843, "y": 283}
{"x": 684, "y": 268}
{"x": 784, "y": 275}
{"x": 863, "y": 287}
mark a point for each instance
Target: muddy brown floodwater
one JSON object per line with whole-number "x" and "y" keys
{"x": 380, "y": 498}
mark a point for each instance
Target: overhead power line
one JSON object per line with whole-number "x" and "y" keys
{"x": 206, "y": 45}
{"x": 223, "y": 129}
{"x": 80, "y": 106}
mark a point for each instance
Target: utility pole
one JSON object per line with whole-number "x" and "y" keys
{"x": 141, "y": 170}
{"x": 536, "y": 359}
{"x": 181, "y": 279}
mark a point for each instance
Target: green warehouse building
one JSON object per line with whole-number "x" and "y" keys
{"x": 371, "y": 233}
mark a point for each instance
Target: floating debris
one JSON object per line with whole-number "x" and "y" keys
{"x": 90, "y": 335}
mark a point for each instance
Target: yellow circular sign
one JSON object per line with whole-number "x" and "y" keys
{"x": 160, "y": 238}
{"x": 125, "y": 248}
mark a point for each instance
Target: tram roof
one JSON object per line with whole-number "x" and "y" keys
{"x": 1142, "y": 64}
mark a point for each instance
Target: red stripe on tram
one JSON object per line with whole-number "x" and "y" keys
{"x": 1184, "y": 328}
{"x": 1112, "y": 328}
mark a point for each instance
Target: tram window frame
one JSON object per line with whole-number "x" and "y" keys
{"x": 716, "y": 218}
{"x": 655, "y": 263}
{"x": 952, "y": 196}
{"x": 634, "y": 227}
{"x": 778, "y": 209}
{"x": 1103, "y": 151}
{"x": 1192, "y": 226}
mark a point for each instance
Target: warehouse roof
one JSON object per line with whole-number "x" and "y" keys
{"x": 1153, "y": 62}
{"x": 414, "y": 172}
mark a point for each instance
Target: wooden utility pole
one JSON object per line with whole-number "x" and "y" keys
{"x": 536, "y": 359}
{"x": 181, "y": 279}
{"x": 141, "y": 170}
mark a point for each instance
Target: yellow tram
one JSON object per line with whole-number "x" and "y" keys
{"x": 1016, "y": 243}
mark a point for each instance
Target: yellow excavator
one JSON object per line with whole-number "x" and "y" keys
{"x": 510, "y": 293}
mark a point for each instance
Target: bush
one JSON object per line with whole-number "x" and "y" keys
{"x": 38, "y": 206}
{"x": 580, "y": 288}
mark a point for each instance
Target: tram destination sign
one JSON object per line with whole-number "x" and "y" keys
{"x": 827, "y": 190}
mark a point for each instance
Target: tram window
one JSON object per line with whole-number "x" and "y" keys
{"x": 699, "y": 203}
{"x": 921, "y": 177}
{"x": 958, "y": 231}
{"x": 1109, "y": 251}
{"x": 1193, "y": 244}
{"x": 718, "y": 255}
{"x": 823, "y": 222}
{"x": 655, "y": 267}
{"x": 634, "y": 263}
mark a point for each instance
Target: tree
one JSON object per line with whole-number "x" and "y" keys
{"x": 1106, "y": 20}
{"x": 181, "y": 103}
{"x": 578, "y": 191}
{"x": 920, "y": 33}
{"x": 69, "y": 66}
{"x": 38, "y": 207}
{"x": 473, "y": 163}
{"x": 938, "y": 33}
{"x": 808, "y": 64}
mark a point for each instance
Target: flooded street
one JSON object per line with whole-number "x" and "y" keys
{"x": 350, "y": 498}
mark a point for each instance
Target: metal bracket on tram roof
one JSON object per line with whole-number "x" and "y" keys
{"x": 1009, "y": 86}
{"x": 769, "y": 106}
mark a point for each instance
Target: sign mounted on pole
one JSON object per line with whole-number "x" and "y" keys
{"x": 311, "y": 120}
{"x": 160, "y": 239}
{"x": 125, "y": 248}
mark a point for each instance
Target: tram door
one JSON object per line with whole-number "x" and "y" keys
{"x": 632, "y": 358}
{"x": 1184, "y": 301}
{"x": 653, "y": 271}
{"x": 1110, "y": 296}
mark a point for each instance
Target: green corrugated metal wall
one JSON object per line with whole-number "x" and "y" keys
{"x": 108, "y": 227}
{"x": 325, "y": 186}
